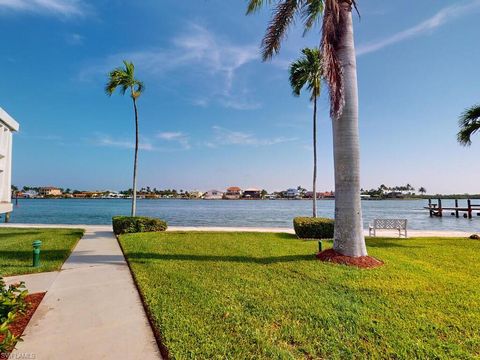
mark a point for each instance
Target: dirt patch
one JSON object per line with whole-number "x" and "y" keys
{"x": 364, "y": 262}
{"x": 21, "y": 322}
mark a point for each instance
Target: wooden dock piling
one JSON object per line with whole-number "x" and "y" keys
{"x": 437, "y": 209}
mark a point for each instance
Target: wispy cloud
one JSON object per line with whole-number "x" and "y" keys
{"x": 210, "y": 56}
{"x": 442, "y": 17}
{"x": 177, "y": 137}
{"x": 74, "y": 39}
{"x": 51, "y": 7}
{"x": 162, "y": 142}
{"x": 223, "y": 136}
{"x": 108, "y": 141}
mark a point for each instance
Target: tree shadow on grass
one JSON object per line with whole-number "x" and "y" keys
{"x": 17, "y": 234}
{"x": 385, "y": 244}
{"x": 5, "y": 255}
{"x": 218, "y": 258}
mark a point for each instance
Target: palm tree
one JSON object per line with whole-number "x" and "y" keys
{"x": 422, "y": 190}
{"x": 469, "y": 123}
{"x": 307, "y": 71}
{"x": 124, "y": 78}
{"x": 340, "y": 72}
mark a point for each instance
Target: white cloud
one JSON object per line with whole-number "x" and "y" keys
{"x": 223, "y": 136}
{"x": 202, "y": 53}
{"x": 445, "y": 15}
{"x": 53, "y": 7}
{"x": 158, "y": 143}
{"x": 177, "y": 137}
{"x": 240, "y": 103}
{"x": 108, "y": 141}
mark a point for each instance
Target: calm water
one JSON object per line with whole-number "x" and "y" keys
{"x": 266, "y": 213}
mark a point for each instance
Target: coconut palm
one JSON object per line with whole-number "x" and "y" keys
{"x": 469, "y": 123}
{"x": 422, "y": 190}
{"x": 307, "y": 71}
{"x": 340, "y": 72}
{"x": 124, "y": 79}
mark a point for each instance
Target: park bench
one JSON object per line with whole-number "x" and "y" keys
{"x": 388, "y": 224}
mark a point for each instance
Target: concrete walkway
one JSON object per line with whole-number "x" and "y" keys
{"x": 92, "y": 309}
{"x": 35, "y": 283}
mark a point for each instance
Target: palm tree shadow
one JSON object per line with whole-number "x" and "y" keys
{"x": 217, "y": 258}
{"x": 391, "y": 244}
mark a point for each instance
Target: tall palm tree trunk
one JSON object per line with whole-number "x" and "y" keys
{"x": 315, "y": 156}
{"x": 349, "y": 238}
{"x": 134, "y": 199}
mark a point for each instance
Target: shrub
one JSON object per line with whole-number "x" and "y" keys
{"x": 313, "y": 228}
{"x": 137, "y": 224}
{"x": 12, "y": 303}
{"x": 475, "y": 237}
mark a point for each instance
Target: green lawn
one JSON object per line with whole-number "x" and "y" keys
{"x": 16, "y": 249}
{"x": 246, "y": 295}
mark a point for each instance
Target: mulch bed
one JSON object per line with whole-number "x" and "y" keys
{"x": 21, "y": 322}
{"x": 364, "y": 262}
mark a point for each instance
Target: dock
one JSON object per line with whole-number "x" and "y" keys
{"x": 468, "y": 211}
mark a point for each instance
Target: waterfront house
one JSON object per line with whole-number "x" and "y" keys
{"x": 252, "y": 193}
{"x": 30, "y": 194}
{"x": 213, "y": 195}
{"x": 327, "y": 195}
{"x": 292, "y": 194}
{"x": 111, "y": 195}
{"x": 88, "y": 195}
{"x": 49, "y": 191}
{"x": 233, "y": 193}
{"x": 195, "y": 194}
{"x": 395, "y": 195}
{"x": 309, "y": 195}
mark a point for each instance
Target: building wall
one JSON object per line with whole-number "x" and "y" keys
{"x": 5, "y": 168}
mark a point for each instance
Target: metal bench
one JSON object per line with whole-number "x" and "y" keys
{"x": 388, "y": 224}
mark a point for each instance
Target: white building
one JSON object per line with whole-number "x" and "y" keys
{"x": 7, "y": 127}
{"x": 30, "y": 194}
{"x": 292, "y": 194}
{"x": 213, "y": 195}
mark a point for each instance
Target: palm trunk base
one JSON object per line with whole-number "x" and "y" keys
{"x": 364, "y": 262}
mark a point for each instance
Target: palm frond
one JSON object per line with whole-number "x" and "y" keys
{"x": 255, "y": 5}
{"x": 307, "y": 71}
{"x": 283, "y": 17}
{"x": 469, "y": 123}
{"x": 124, "y": 79}
{"x": 138, "y": 89}
{"x": 311, "y": 12}
{"x": 331, "y": 33}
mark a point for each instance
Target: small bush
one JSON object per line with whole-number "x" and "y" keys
{"x": 475, "y": 237}
{"x": 313, "y": 228}
{"x": 12, "y": 303}
{"x": 137, "y": 224}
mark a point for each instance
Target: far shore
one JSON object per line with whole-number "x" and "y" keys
{"x": 443, "y": 197}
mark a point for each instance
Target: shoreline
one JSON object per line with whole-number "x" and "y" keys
{"x": 381, "y": 233}
{"x": 444, "y": 197}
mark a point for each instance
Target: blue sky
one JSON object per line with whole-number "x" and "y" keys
{"x": 213, "y": 115}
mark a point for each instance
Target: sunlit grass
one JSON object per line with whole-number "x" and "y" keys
{"x": 16, "y": 249}
{"x": 247, "y": 295}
